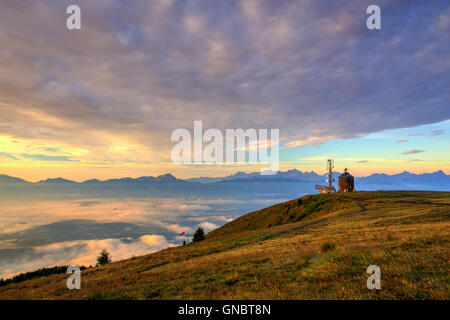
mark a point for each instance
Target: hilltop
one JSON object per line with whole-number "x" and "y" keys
{"x": 314, "y": 247}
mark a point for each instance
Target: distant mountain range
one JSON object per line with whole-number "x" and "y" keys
{"x": 166, "y": 178}
{"x": 290, "y": 175}
{"x": 438, "y": 177}
{"x": 294, "y": 175}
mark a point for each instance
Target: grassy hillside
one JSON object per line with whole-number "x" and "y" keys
{"x": 303, "y": 209}
{"x": 315, "y": 247}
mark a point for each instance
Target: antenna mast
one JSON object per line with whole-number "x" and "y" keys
{"x": 330, "y": 167}
{"x": 329, "y": 174}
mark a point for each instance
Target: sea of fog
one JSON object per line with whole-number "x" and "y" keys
{"x": 42, "y": 233}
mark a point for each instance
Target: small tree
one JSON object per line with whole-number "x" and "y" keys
{"x": 103, "y": 258}
{"x": 199, "y": 235}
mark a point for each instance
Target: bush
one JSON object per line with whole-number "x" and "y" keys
{"x": 103, "y": 258}
{"x": 199, "y": 235}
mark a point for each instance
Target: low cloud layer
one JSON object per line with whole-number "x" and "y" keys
{"x": 75, "y": 231}
{"x": 84, "y": 252}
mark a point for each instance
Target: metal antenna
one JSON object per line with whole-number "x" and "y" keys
{"x": 330, "y": 167}
{"x": 329, "y": 174}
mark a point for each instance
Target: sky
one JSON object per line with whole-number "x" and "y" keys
{"x": 102, "y": 102}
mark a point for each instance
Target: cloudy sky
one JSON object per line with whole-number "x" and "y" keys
{"x": 102, "y": 101}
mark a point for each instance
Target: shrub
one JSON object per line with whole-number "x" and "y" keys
{"x": 103, "y": 258}
{"x": 199, "y": 235}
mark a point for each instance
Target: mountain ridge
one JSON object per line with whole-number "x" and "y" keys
{"x": 282, "y": 176}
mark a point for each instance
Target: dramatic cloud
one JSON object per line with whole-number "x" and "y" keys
{"x": 402, "y": 141}
{"x": 113, "y": 92}
{"x": 413, "y": 151}
{"x": 362, "y": 161}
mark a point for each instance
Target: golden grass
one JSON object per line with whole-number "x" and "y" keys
{"x": 322, "y": 254}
